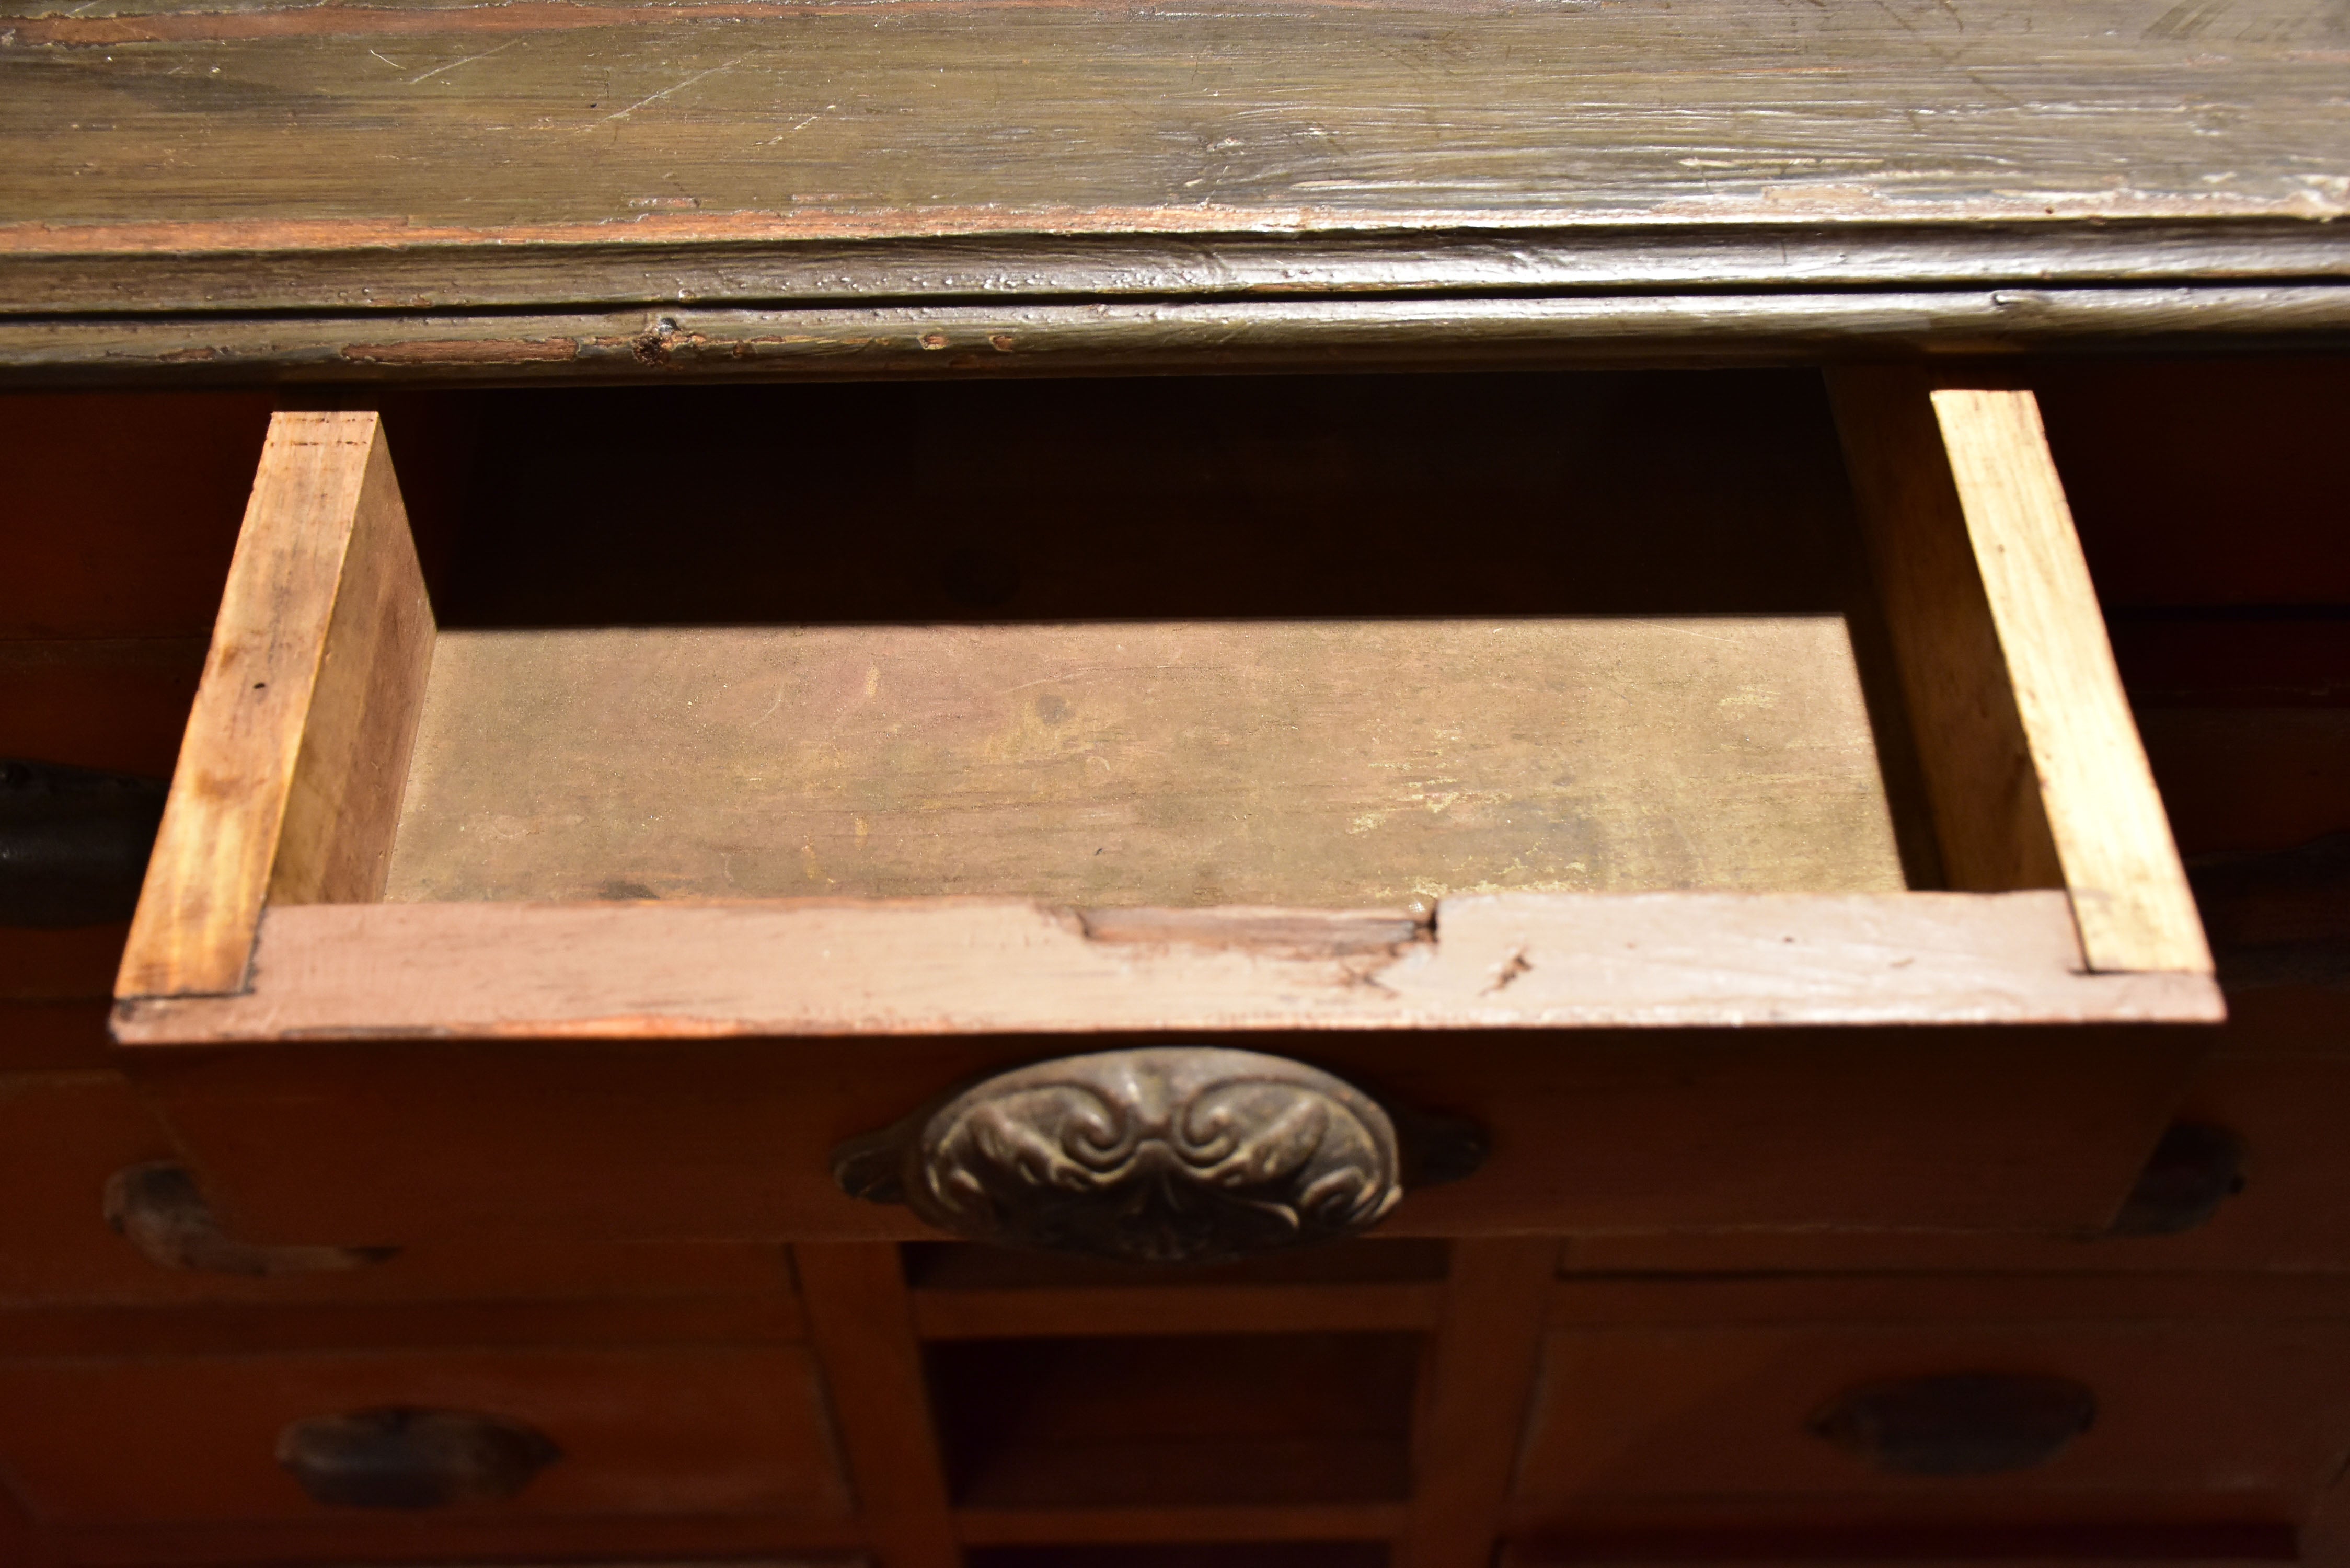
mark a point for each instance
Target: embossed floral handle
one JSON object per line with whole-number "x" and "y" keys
{"x": 1161, "y": 1154}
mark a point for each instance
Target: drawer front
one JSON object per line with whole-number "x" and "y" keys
{"x": 2277, "y": 1088}
{"x": 417, "y": 1141}
{"x": 679, "y": 1431}
{"x": 1761, "y": 1425}
{"x": 63, "y": 1137}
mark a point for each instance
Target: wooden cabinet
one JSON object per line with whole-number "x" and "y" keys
{"x": 911, "y": 595}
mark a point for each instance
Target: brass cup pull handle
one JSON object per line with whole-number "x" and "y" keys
{"x": 403, "y": 1458}
{"x": 1162, "y": 1155}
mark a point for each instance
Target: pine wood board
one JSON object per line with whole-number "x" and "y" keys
{"x": 2128, "y": 889}
{"x": 666, "y": 269}
{"x": 1333, "y": 763}
{"x": 293, "y": 747}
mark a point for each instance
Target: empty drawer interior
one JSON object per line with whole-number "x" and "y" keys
{"x": 1326, "y": 642}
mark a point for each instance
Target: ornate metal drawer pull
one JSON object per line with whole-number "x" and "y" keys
{"x": 1163, "y": 1155}
{"x": 410, "y": 1458}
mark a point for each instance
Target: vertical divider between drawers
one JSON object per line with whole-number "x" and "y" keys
{"x": 861, "y": 1325}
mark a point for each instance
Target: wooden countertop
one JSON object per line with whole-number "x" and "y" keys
{"x": 578, "y": 188}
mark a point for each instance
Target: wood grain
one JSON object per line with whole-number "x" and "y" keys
{"x": 1279, "y": 763}
{"x": 727, "y": 123}
{"x": 665, "y": 265}
{"x": 324, "y": 481}
{"x": 1987, "y": 816}
{"x": 1185, "y": 334}
{"x": 342, "y": 805}
{"x": 863, "y": 1330}
{"x": 1473, "y": 1411}
{"x": 623, "y": 971}
{"x": 2130, "y": 892}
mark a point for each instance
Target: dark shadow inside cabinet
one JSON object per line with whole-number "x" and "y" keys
{"x": 1235, "y": 1418}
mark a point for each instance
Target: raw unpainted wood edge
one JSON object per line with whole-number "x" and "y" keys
{"x": 1985, "y": 799}
{"x": 835, "y": 968}
{"x": 2033, "y": 766}
{"x": 334, "y": 845}
{"x": 2112, "y": 837}
{"x": 861, "y": 1325}
{"x": 200, "y": 908}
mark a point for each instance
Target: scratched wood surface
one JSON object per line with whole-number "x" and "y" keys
{"x": 1334, "y": 763}
{"x": 341, "y": 158}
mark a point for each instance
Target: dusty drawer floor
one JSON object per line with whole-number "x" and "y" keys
{"x": 1302, "y": 763}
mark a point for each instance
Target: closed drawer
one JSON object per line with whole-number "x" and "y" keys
{"x": 68, "y": 1141}
{"x": 677, "y": 1431}
{"x": 2254, "y": 1177}
{"x": 1948, "y": 1415}
{"x": 1353, "y": 730}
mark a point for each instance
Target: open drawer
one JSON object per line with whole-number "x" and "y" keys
{"x": 1262, "y": 775}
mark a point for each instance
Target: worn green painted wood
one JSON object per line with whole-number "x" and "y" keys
{"x": 254, "y": 156}
{"x": 1012, "y": 338}
{"x": 406, "y": 124}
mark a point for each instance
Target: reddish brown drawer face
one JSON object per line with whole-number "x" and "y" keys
{"x": 2277, "y": 1087}
{"x": 63, "y": 1134}
{"x": 666, "y": 1431}
{"x": 1783, "y": 1424}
